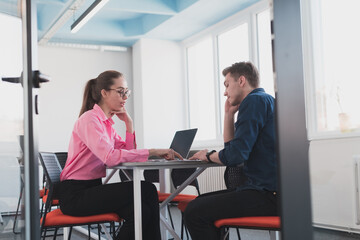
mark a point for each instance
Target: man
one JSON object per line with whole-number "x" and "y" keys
{"x": 250, "y": 141}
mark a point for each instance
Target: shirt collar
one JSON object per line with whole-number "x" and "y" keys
{"x": 100, "y": 113}
{"x": 257, "y": 90}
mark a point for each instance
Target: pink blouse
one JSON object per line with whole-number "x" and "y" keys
{"x": 94, "y": 144}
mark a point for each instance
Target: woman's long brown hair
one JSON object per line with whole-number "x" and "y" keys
{"x": 92, "y": 92}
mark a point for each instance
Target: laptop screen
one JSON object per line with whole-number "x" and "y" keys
{"x": 182, "y": 141}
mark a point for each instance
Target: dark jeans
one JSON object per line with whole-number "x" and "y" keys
{"x": 202, "y": 212}
{"x": 90, "y": 197}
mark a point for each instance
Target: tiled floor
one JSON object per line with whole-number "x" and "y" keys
{"x": 319, "y": 234}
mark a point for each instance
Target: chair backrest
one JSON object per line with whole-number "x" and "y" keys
{"x": 234, "y": 176}
{"x": 51, "y": 167}
{"x": 62, "y": 157}
{"x": 178, "y": 176}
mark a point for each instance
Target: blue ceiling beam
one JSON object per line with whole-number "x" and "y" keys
{"x": 183, "y": 4}
{"x": 152, "y": 21}
{"x": 142, "y": 25}
{"x": 133, "y": 27}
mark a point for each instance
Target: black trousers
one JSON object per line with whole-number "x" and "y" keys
{"x": 202, "y": 212}
{"x": 90, "y": 197}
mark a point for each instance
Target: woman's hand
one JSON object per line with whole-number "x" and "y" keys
{"x": 168, "y": 154}
{"x": 124, "y": 116}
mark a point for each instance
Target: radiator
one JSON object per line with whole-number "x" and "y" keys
{"x": 212, "y": 179}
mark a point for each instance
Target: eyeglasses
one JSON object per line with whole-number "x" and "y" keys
{"x": 122, "y": 92}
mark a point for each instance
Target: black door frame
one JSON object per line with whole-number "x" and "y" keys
{"x": 293, "y": 146}
{"x": 31, "y": 163}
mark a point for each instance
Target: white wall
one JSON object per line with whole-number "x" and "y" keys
{"x": 61, "y": 98}
{"x": 159, "y": 92}
{"x": 332, "y": 175}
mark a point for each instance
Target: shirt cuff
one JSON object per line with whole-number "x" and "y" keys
{"x": 131, "y": 140}
{"x": 222, "y": 157}
{"x": 143, "y": 155}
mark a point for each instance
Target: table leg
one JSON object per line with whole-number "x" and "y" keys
{"x": 137, "y": 204}
{"x": 163, "y": 189}
{"x": 175, "y": 193}
{"x": 113, "y": 171}
{"x": 66, "y": 233}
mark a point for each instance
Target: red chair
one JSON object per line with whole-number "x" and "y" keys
{"x": 56, "y": 219}
{"x": 271, "y": 223}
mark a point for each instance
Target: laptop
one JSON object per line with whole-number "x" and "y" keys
{"x": 182, "y": 141}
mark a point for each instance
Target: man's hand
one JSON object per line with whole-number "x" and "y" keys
{"x": 168, "y": 154}
{"x": 229, "y": 109}
{"x": 201, "y": 155}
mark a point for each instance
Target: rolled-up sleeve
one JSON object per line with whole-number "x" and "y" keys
{"x": 129, "y": 143}
{"x": 251, "y": 119}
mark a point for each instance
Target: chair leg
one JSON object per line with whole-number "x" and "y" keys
{"x": 171, "y": 220}
{"x": 113, "y": 228}
{"x": 99, "y": 232}
{"x": 89, "y": 236}
{"x": 17, "y": 209}
{"x": 186, "y": 231}
{"x": 182, "y": 225}
{"x": 224, "y": 233}
{"x": 55, "y": 233}
{"x": 69, "y": 237}
{"x": 45, "y": 233}
{"x": 238, "y": 233}
{"x": 274, "y": 235}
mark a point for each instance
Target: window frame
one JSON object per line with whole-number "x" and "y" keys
{"x": 247, "y": 15}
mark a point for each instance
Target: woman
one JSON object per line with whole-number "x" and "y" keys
{"x": 94, "y": 145}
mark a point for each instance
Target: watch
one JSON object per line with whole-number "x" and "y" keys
{"x": 208, "y": 155}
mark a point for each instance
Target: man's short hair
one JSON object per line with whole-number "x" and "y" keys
{"x": 246, "y": 69}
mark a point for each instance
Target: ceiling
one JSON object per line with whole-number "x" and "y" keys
{"x": 123, "y": 22}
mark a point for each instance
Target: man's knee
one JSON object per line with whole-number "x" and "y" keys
{"x": 192, "y": 210}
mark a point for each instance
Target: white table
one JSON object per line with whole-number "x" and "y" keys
{"x": 161, "y": 165}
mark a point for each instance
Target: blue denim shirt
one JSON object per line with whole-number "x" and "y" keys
{"x": 254, "y": 142}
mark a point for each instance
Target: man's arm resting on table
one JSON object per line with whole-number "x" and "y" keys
{"x": 201, "y": 155}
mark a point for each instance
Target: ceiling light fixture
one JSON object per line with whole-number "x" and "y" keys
{"x": 87, "y": 15}
{"x": 59, "y": 23}
{"x": 88, "y": 46}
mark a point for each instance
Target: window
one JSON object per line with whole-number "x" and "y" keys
{"x": 265, "y": 52}
{"x": 202, "y": 89}
{"x": 334, "y": 98}
{"x": 236, "y": 39}
{"x": 233, "y": 46}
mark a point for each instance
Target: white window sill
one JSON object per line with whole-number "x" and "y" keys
{"x": 334, "y": 135}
